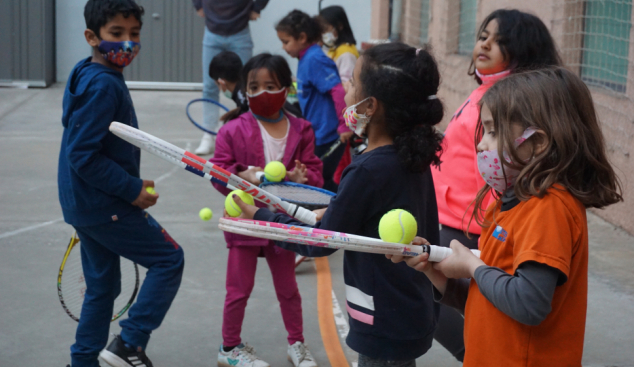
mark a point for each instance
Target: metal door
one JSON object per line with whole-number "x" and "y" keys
{"x": 171, "y": 44}
{"x": 27, "y": 42}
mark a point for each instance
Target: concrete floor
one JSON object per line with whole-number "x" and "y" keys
{"x": 34, "y": 330}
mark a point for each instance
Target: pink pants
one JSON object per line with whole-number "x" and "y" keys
{"x": 240, "y": 280}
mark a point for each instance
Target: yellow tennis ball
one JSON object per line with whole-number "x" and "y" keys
{"x": 398, "y": 226}
{"x": 150, "y": 190}
{"x": 205, "y": 214}
{"x": 231, "y": 207}
{"x": 275, "y": 171}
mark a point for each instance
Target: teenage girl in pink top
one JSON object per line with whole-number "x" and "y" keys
{"x": 257, "y": 134}
{"x": 508, "y": 41}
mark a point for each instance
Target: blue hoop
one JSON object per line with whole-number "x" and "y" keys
{"x": 203, "y": 100}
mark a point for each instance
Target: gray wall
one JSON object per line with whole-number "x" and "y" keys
{"x": 71, "y": 45}
{"x": 27, "y": 44}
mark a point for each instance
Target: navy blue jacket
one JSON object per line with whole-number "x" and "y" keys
{"x": 391, "y": 308}
{"x": 98, "y": 173}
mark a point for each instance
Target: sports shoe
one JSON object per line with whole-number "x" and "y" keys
{"x": 299, "y": 354}
{"x": 117, "y": 354}
{"x": 207, "y": 145}
{"x": 300, "y": 259}
{"x": 242, "y": 356}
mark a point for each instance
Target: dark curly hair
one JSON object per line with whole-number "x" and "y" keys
{"x": 297, "y": 22}
{"x": 99, "y": 12}
{"x": 524, "y": 41}
{"x": 405, "y": 81}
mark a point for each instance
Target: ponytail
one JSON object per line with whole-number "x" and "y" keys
{"x": 406, "y": 81}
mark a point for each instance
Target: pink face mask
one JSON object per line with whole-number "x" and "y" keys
{"x": 490, "y": 166}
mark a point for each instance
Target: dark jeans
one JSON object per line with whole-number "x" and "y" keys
{"x": 450, "y": 330}
{"x": 365, "y": 361}
{"x": 140, "y": 238}
{"x": 330, "y": 163}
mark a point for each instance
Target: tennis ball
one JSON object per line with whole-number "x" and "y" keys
{"x": 150, "y": 190}
{"x": 398, "y": 226}
{"x": 205, "y": 214}
{"x": 275, "y": 171}
{"x": 231, "y": 207}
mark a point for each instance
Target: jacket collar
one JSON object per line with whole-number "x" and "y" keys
{"x": 292, "y": 141}
{"x": 492, "y": 78}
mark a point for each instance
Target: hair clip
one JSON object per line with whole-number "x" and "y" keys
{"x": 418, "y": 50}
{"x": 433, "y": 96}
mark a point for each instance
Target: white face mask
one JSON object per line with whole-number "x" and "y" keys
{"x": 329, "y": 39}
{"x": 355, "y": 121}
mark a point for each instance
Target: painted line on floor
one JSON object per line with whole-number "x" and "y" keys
{"x": 327, "y": 326}
{"x": 30, "y": 228}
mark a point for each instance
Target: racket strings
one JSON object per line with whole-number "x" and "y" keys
{"x": 74, "y": 287}
{"x": 299, "y": 194}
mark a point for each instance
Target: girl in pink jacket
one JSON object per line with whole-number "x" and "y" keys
{"x": 256, "y": 135}
{"x": 508, "y": 41}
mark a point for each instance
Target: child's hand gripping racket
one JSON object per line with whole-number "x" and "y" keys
{"x": 208, "y": 170}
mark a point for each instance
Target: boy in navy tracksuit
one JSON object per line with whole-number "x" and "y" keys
{"x": 103, "y": 197}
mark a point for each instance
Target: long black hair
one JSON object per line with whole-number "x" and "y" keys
{"x": 524, "y": 41}
{"x": 406, "y": 81}
{"x": 275, "y": 64}
{"x": 336, "y": 17}
{"x": 297, "y": 22}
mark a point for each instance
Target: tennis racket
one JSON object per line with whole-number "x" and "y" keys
{"x": 71, "y": 285}
{"x": 197, "y": 108}
{"x": 332, "y": 149}
{"x": 208, "y": 170}
{"x": 306, "y": 196}
{"x": 329, "y": 239}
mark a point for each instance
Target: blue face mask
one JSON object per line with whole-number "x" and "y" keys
{"x": 120, "y": 54}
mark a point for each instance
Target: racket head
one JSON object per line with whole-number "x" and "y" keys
{"x": 71, "y": 284}
{"x": 195, "y": 111}
{"x": 306, "y": 196}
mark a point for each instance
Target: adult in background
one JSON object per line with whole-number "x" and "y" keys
{"x": 226, "y": 29}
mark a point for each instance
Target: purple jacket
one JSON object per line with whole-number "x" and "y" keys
{"x": 239, "y": 145}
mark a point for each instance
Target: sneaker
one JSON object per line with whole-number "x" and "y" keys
{"x": 242, "y": 356}
{"x": 300, "y": 259}
{"x": 207, "y": 145}
{"x": 117, "y": 354}
{"x": 299, "y": 354}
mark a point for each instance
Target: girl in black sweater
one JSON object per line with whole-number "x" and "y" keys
{"x": 391, "y": 100}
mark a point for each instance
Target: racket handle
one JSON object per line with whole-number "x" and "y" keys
{"x": 438, "y": 253}
{"x": 302, "y": 214}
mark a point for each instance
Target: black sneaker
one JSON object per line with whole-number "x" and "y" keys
{"x": 118, "y": 355}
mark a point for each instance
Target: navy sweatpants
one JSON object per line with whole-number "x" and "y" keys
{"x": 140, "y": 238}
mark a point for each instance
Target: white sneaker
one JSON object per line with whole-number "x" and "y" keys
{"x": 207, "y": 145}
{"x": 242, "y": 356}
{"x": 299, "y": 354}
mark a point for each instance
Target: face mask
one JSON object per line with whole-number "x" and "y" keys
{"x": 490, "y": 166}
{"x": 354, "y": 121}
{"x": 227, "y": 93}
{"x": 329, "y": 39}
{"x": 267, "y": 103}
{"x": 120, "y": 54}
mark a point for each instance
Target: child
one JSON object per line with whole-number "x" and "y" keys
{"x": 339, "y": 39}
{"x": 528, "y": 307}
{"x": 319, "y": 88}
{"x": 103, "y": 198}
{"x": 244, "y": 145}
{"x": 225, "y": 70}
{"x": 342, "y": 50}
{"x": 508, "y": 41}
{"x": 392, "y": 99}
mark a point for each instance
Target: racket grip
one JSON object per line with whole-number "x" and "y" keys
{"x": 304, "y": 215}
{"x": 438, "y": 253}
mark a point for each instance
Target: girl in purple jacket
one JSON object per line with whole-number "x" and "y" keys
{"x": 256, "y": 135}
